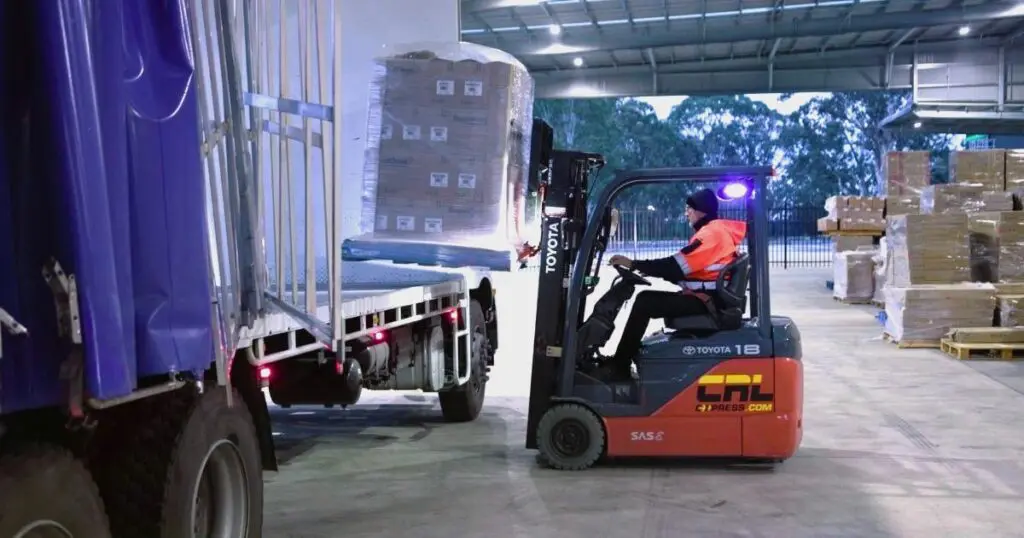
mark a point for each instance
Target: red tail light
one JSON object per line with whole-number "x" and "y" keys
{"x": 265, "y": 373}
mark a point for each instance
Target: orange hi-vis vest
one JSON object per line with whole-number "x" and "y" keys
{"x": 712, "y": 248}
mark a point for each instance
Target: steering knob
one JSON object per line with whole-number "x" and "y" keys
{"x": 631, "y": 276}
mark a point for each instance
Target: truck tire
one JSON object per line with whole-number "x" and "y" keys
{"x": 463, "y": 404}
{"x": 45, "y": 488}
{"x": 209, "y": 467}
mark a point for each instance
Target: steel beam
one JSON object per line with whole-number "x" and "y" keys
{"x": 720, "y": 32}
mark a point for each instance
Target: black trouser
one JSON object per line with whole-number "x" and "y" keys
{"x": 647, "y": 306}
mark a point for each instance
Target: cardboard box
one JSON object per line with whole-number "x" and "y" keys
{"x": 964, "y": 199}
{"x": 1011, "y": 310}
{"x": 1014, "y": 170}
{"x": 997, "y": 246}
{"x": 979, "y": 168}
{"x": 927, "y": 313}
{"x": 843, "y": 243}
{"x": 853, "y": 275}
{"x": 827, "y": 224}
{"x": 907, "y": 172}
{"x": 902, "y": 204}
{"x": 927, "y": 249}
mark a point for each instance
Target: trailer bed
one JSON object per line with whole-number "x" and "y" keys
{"x": 369, "y": 288}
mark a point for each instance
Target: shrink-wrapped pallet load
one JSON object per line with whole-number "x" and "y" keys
{"x": 956, "y": 198}
{"x": 447, "y": 153}
{"x": 927, "y": 249}
{"x": 997, "y": 246}
{"x": 856, "y": 213}
{"x": 925, "y": 313}
{"x": 906, "y": 172}
{"x": 1014, "y": 170}
{"x": 1011, "y": 310}
{"x": 853, "y": 276}
{"x": 843, "y": 243}
{"x": 978, "y": 168}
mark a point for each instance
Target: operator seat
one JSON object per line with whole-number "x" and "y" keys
{"x": 730, "y": 299}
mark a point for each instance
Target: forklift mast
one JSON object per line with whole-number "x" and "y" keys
{"x": 564, "y": 184}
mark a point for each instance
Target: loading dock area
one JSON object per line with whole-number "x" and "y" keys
{"x": 898, "y": 442}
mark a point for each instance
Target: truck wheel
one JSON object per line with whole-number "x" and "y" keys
{"x": 570, "y": 437}
{"x": 206, "y": 481}
{"x": 45, "y": 491}
{"x": 463, "y": 404}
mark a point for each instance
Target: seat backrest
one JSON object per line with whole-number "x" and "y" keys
{"x": 732, "y": 284}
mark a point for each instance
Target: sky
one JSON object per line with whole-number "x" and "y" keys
{"x": 663, "y": 104}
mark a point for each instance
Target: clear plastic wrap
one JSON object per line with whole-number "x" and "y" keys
{"x": 447, "y": 151}
{"x": 997, "y": 246}
{"x": 927, "y": 249}
{"x": 906, "y": 172}
{"x": 879, "y": 258}
{"x": 978, "y": 168}
{"x": 926, "y": 313}
{"x": 964, "y": 199}
{"x": 1011, "y": 310}
{"x": 853, "y": 275}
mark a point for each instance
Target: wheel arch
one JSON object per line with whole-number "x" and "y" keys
{"x": 243, "y": 379}
{"x": 484, "y": 294}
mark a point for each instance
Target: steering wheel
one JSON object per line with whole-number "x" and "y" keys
{"x": 631, "y": 277}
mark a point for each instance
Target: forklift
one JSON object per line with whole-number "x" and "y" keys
{"x": 717, "y": 385}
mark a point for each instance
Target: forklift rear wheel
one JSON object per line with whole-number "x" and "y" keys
{"x": 570, "y": 437}
{"x": 463, "y": 404}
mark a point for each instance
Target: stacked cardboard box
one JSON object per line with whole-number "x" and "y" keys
{"x": 858, "y": 213}
{"x": 844, "y": 243}
{"x": 907, "y": 172}
{"x": 959, "y": 198}
{"x": 997, "y": 246}
{"x": 1014, "y": 170}
{"x": 853, "y": 275}
{"x": 979, "y": 168}
{"x": 925, "y": 313}
{"x": 447, "y": 150}
{"x": 902, "y": 204}
{"x": 927, "y": 249}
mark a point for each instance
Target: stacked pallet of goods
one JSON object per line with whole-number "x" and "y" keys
{"x": 853, "y": 222}
{"x": 950, "y": 251}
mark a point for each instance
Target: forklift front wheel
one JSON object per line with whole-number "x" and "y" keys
{"x": 570, "y": 437}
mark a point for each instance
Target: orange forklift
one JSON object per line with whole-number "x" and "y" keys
{"x": 719, "y": 385}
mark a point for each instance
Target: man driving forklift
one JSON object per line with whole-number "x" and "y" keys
{"x": 694, "y": 269}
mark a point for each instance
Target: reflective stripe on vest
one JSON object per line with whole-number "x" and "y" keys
{"x": 698, "y": 285}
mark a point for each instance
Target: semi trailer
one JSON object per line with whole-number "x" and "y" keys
{"x": 170, "y": 245}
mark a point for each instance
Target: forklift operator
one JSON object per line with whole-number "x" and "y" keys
{"x": 694, "y": 268}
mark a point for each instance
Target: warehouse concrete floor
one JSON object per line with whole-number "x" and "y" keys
{"x": 898, "y": 443}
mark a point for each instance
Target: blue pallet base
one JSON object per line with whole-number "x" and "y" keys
{"x": 427, "y": 254}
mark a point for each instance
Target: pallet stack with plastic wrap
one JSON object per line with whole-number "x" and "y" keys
{"x": 853, "y": 222}
{"x": 951, "y": 247}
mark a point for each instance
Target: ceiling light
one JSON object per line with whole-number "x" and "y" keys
{"x": 964, "y": 30}
{"x": 577, "y": 61}
{"x": 555, "y": 29}
{"x": 917, "y": 125}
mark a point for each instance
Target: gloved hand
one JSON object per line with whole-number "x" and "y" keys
{"x": 621, "y": 260}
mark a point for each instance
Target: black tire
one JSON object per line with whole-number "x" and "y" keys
{"x": 463, "y": 404}
{"x": 151, "y": 492}
{"x": 42, "y": 483}
{"x": 570, "y": 437}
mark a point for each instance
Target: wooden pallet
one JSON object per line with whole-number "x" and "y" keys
{"x": 851, "y": 301}
{"x": 911, "y": 344}
{"x": 984, "y": 351}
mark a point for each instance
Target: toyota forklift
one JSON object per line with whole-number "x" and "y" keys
{"x": 721, "y": 384}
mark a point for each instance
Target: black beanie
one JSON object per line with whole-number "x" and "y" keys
{"x": 704, "y": 201}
